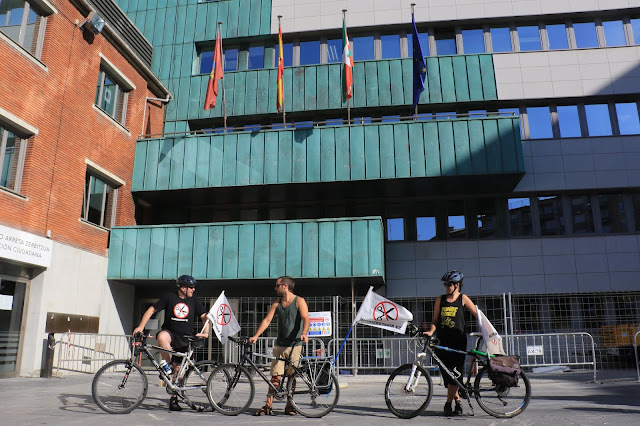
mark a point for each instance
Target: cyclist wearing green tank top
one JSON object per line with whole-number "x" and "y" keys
{"x": 293, "y": 327}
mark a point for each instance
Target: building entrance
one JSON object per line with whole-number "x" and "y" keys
{"x": 12, "y": 294}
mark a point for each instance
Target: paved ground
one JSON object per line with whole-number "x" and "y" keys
{"x": 557, "y": 401}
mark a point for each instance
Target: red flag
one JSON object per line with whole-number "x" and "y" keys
{"x": 216, "y": 74}
{"x": 280, "y": 96}
{"x": 347, "y": 60}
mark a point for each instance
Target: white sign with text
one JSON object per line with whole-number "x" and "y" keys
{"x": 536, "y": 350}
{"x": 25, "y": 247}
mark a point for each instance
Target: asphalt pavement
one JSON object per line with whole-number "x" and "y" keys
{"x": 556, "y": 400}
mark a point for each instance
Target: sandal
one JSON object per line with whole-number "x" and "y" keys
{"x": 264, "y": 411}
{"x": 290, "y": 410}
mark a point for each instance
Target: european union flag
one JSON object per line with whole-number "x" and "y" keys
{"x": 419, "y": 66}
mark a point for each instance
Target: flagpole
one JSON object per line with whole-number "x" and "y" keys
{"x": 415, "y": 112}
{"x": 284, "y": 113}
{"x": 224, "y": 100}
{"x": 344, "y": 19}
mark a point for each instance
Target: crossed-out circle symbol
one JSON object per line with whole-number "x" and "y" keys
{"x": 223, "y": 316}
{"x": 385, "y": 311}
{"x": 181, "y": 310}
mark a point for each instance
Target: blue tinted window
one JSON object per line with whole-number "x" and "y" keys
{"x": 230, "y": 59}
{"x": 456, "y": 222}
{"x": 445, "y": 115}
{"x": 478, "y": 113}
{"x": 395, "y": 229}
{"x": 426, "y": 228}
{"x": 335, "y": 122}
{"x": 473, "y": 41}
{"x": 569, "y": 121}
{"x": 362, "y": 48}
{"x": 635, "y": 27}
{"x": 425, "y": 116}
{"x": 287, "y": 54}
{"x": 598, "y": 121}
{"x": 628, "y": 118}
{"x": 334, "y": 48}
{"x": 206, "y": 62}
{"x": 303, "y": 124}
{"x": 509, "y": 112}
{"x": 529, "y": 37}
{"x": 445, "y": 43}
{"x": 614, "y": 33}
{"x": 362, "y": 120}
{"x": 539, "y": 123}
{"x": 557, "y": 36}
{"x": 256, "y": 57}
{"x": 585, "y": 34}
{"x": 390, "y": 118}
{"x": 424, "y": 43}
{"x": 551, "y": 217}
{"x": 309, "y": 52}
{"x": 390, "y": 46}
{"x": 501, "y": 39}
{"x": 520, "y": 217}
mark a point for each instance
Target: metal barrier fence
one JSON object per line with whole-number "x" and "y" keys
{"x": 263, "y": 350}
{"x": 86, "y": 352}
{"x": 554, "y": 349}
{"x": 635, "y": 350}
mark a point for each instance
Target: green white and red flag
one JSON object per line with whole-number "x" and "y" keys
{"x": 347, "y": 60}
{"x": 280, "y": 95}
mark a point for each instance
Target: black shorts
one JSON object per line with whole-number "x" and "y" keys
{"x": 452, "y": 360}
{"x": 178, "y": 343}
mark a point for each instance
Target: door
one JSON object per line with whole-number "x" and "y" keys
{"x": 12, "y": 294}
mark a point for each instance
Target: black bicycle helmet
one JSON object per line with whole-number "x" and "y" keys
{"x": 452, "y": 277}
{"x": 186, "y": 281}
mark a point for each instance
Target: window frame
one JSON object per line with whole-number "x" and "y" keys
{"x": 42, "y": 9}
{"x": 111, "y": 182}
{"x": 124, "y": 87}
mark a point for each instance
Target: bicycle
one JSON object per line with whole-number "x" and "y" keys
{"x": 120, "y": 386}
{"x": 312, "y": 388}
{"x": 409, "y": 388}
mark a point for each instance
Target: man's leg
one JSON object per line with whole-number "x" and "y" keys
{"x": 164, "y": 341}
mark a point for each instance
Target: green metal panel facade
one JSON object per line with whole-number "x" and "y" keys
{"x": 324, "y": 248}
{"x": 472, "y": 146}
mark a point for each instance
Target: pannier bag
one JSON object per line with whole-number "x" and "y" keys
{"x": 504, "y": 370}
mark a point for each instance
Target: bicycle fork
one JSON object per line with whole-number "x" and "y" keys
{"x": 414, "y": 377}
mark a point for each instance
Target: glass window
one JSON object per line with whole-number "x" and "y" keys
{"x": 424, "y": 43}
{"x": 557, "y": 34}
{"x": 230, "y": 60}
{"x": 362, "y": 48}
{"x": 585, "y": 33}
{"x": 206, "y": 62}
{"x": 11, "y": 159}
{"x": 628, "y": 118}
{"x": 395, "y": 229}
{"x": 445, "y": 115}
{"x": 539, "y": 123}
{"x": 13, "y": 25}
{"x": 635, "y": 27}
{"x": 598, "y": 120}
{"x": 390, "y": 118}
{"x": 287, "y": 54}
{"x": 334, "y": 48}
{"x": 581, "y": 214}
{"x": 509, "y": 112}
{"x": 614, "y": 33}
{"x": 98, "y": 205}
{"x": 456, "y": 223}
{"x": 635, "y": 202}
{"x": 487, "y": 218}
{"x": 551, "y": 217}
{"x": 520, "y": 217}
{"x": 473, "y": 41}
{"x": 445, "y": 43}
{"x": 334, "y": 122}
{"x": 362, "y": 120}
{"x": 256, "y": 57}
{"x": 426, "y": 228}
{"x": 529, "y": 37}
{"x": 390, "y": 46}
{"x": 569, "y": 121}
{"x": 612, "y": 213}
{"x": 310, "y": 52}
{"x": 501, "y": 39}
{"x": 111, "y": 97}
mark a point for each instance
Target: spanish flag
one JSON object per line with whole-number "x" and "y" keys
{"x": 216, "y": 74}
{"x": 280, "y": 96}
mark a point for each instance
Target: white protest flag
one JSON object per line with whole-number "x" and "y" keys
{"x": 222, "y": 319}
{"x": 377, "y": 311}
{"x": 492, "y": 339}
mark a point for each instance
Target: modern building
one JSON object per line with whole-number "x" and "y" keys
{"x": 76, "y": 91}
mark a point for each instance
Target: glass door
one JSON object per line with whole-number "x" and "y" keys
{"x": 11, "y": 305}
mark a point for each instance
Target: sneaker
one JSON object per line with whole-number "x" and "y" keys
{"x": 173, "y": 404}
{"x": 458, "y": 410}
{"x": 447, "y": 409}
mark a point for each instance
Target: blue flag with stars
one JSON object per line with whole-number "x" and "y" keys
{"x": 419, "y": 66}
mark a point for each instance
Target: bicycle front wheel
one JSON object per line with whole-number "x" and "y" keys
{"x": 408, "y": 395}
{"x": 310, "y": 398}
{"x": 195, "y": 382}
{"x": 230, "y": 389}
{"x": 500, "y": 401}
{"x": 119, "y": 387}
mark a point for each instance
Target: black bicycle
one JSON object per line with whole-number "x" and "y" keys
{"x": 312, "y": 388}
{"x": 409, "y": 388}
{"x": 120, "y": 386}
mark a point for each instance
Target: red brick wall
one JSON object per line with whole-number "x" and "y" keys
{"x": 58, "y": 102}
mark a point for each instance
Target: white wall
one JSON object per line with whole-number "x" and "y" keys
{"x": 522, "y": 266}
{"x": 75, "y": 283}
{"x": 312, "y": 15}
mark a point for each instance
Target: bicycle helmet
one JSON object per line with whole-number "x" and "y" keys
{"x": 452, "y": 277}
{"x": 186, "y": 281}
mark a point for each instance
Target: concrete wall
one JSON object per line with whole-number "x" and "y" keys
{"x": 533, "y": 265}
{"x": 310, "y": 15}
{"x": 75, "y": 283}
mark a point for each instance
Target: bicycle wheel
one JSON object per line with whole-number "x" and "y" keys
{"x": 498, "y": 401}
{"x": 230, "y": 389}
{"x": 196, "y": 380}
{"x": 408, "y": 403}
{"x": 310, "y": 399}
{"x": 119, "y": 387}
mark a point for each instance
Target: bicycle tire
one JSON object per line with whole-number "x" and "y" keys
{"x": 309, "y": 399}
{"x": 199, "y": 377}
{"x": 108, "y": 392}
{"x": 230, "y": 389}
{"x": 501, "y": 402}
{"x": 403, "y": 403}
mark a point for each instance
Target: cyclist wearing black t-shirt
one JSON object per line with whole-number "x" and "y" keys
{"x": 181, "y": 309}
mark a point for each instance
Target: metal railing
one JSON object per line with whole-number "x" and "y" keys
{"x": 554, "y": 349}
{"x": 263, "y": 350}
{"x": 87, "y": 352}
{"x": 635, "y": 350}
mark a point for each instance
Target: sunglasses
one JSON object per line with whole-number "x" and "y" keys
{"x": 449, "y": 284}
{"x": 192, "y": 287}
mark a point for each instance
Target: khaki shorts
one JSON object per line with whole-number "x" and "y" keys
{"x": 277, "y": 367}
